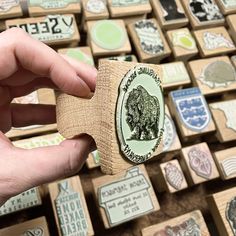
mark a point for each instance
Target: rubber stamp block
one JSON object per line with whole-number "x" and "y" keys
{"x": 175, "y": 75}
{"x": 224, "y": 116}
{"x": 132, "y": 19}
{"x": 198, "y": 164}
{"x": 214, "y": 75}
{"x": 191, "y": 112}
{"x": 42, "y": 7}
{"x": 191, "y": 223}
{"x": 182, "y": 43}
{"x": 203, "y": 14}
{"x": 170, "y": 137}
{"x": 125, "y": 116}
{"x": 214, "y": 41}
{"x": 51, "y": 29}
{"x": 93, "y": 160}
{"x": 226, "y": 162}
{"x": 227, "y": 6}
{"x": 94, "y": 10}
{"x": 36, "y": 227}
{"x": 28, "y": 199}
{"x": 130, "y": 58}
{"x": 108, "y": 37}
{"x": 231, "y": 20}
{"x": 171, "y": 177}
{"x": 83, "y": 54}
{"x": 41, "y": 96}
{"x": 125, "y": 196}
{"x": 124, "y": 8}
{"x": 148, "y": 40}
{"x": 70, "y": 209}
{"x": 233, "y": 59}
{"x": 10, "y": 9}
{"x": 223, "y": 206}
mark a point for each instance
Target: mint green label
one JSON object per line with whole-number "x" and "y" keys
{"x": 183, "y": 39}
{"x": 120, "y": 3}
{"x": 108, "y": 35}
{"x": 78, "y": 55}
{"x": 229, "y": 3}
{"x": 6, "y": 5}
{"x": 50, "y": 4}
{"x": 96, "y": 157}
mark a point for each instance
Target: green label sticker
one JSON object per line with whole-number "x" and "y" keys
{"x": 229, "y": 3}
{"x": 6, "y": 5}
{"x": 140, "y": 114}
{"x": 108, "y": 35}
{"x": 183, "y": 39}
{"x": 127, "y": 198}
{"x": 79, "y": 55}
{"x": 96, "y": 157}
{"x": 126, "y": 3}
{"x": 52, "y": 4}
{"x": 51, "y": 28}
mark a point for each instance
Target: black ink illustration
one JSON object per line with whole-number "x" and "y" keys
{"x": 231, "y": 214}
{"x": 143, "y": 112}
{"x": 172, "y": 12}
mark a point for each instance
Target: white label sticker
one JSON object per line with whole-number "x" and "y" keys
{"x": 6, "y": 5}
{"x": 96, "y": 6}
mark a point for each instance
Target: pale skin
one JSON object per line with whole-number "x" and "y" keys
{"x": 26, "y": 65}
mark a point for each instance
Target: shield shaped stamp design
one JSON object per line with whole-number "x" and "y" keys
{"x": 192, "y": 108}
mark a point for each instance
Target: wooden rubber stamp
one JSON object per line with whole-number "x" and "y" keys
{"x": 70, "y": 209}
{"x": 175, "y": 75}
{"x": 41, "y": 96}
{"x": 198, "y": 164}
{"x": 226, "y": 162}
{"x": 214, "y": 75}
{"x": 10, "y": 9}
{"x": 227, "y": 6}
{"x": 203, "y": 14}
{"x": 124, "y": 8}
{"x": 191, "y": 112}
{"x": 93, "y": 160}
{"x": 28, "y": 199}
{"x": 214, "y": 41}
{"x": 170, "y": 177}
{"x": 36, "y": 227}
{"x": 224, "y": 116}
{"x": 232, "y": 27}
{"x": 223, "y": 206}
{"x": 148, "y": 40}
{"x": 83, "y": 54}
{"x": 170, "y": 13}
{"x": 125, "y": 196}
{"x": 42, "y": 8}
{"x": 182, "y": 43}
{"x": 191, "y": 223}
{"x": 51, "y": 29}
{"x": 125, "y": 130}
{"x": 101, "y": 42}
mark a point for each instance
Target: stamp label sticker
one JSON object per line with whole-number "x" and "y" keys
{"x": 53, "y": 27}
{"x": 126, "y": 3}
{"x": 27, "y": 199}
{"x": 171, "y": 11}
{"x": 189, "y": 228}
{"x": 205, "y": 11}
{"x": 108, "y": 35}
{"x": 184, "y": 40}
{"x": 213, "y": 41}
{"x": 122, "y": 58}
{"x": 96, "y": 6}
{"x": 96, "y": 157}
{"x": 34, "y": 232}
{"x": 126, "y": 198}
{"x": 70, "y": 212}
{"x": 149, "y": 37}
{"x": 192, "y": 108}
{"x": 174, "y": 72}
{"x": 231, "y": 214}
{"x": 174, "y": 176}
{"x": 229, "y": 112}
{"x": 200, "y": 162}
{"x": 6, "y": 5}
{"x": 52, "y": 4}
{"x": 218, "y": 74}
{"x": 169, "y": 133}
{"x": 79, "y": 55}
{"x": 228, "y": 166}
{"x": 229, "y": 3}
{"x": 140, "y": 114}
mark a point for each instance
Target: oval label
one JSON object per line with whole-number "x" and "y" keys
{"x": 140, "y": 114}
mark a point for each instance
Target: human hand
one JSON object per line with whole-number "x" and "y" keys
{"x": 26, "y": 65}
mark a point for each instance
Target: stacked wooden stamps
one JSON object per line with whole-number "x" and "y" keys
{"x": 10, "y": 9}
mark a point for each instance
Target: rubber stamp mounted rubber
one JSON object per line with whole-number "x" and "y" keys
{"x": 227, "y": 6}
{"x": 125, "y": 116}
{"x": 10, "y": 9}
